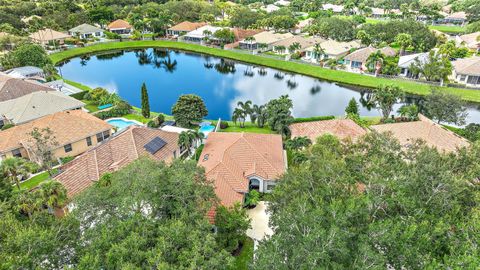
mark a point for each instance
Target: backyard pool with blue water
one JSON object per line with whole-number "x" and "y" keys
{"x": 206, "y": 130}
{"x": 121, "y": 123}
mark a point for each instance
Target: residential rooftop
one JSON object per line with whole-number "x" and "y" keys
{"x": 12, "y": 88}
{"x": 67, "y": 127}
{"x": 113, "y": 154}
{"x": 424, "y": 129}
{"x": 341, "y": 128}
{"x": 229, "y": 158}
{"x": 37, "y": 104}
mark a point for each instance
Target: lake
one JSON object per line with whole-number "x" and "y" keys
{"x": 220, "y": 82}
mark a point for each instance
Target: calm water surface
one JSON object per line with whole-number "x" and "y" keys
{"x": 221, "y": 83}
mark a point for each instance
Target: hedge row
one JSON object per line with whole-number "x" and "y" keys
{"x": 312, "y": 119}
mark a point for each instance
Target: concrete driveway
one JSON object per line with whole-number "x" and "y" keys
{"x": 259, "y": 221}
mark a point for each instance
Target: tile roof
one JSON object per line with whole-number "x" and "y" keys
{"x": 470, "y": 40}
{"x": 48, "y": 35}
{"x": 67, "y": 127}
{"x": 36, "y": 105}
{"x": 425, "y": 129}
{"x": 85, "y": 29}
{"x": 342, "y": 128}
{"x": 112, "y": 155}
{"x": 467, "y": 66}
{"x": 11, "y": 88}
{"x": 457, "y": 15}
{"x": 269, "y": 37}
{"x": 241, "y": 34}
{"x": 335, "y": 48}
{"x": 406, "y": 61}
{"x": 187, "y": 26}
{"x": 229, "y": 158}
{"x": 304, "y": 42}
{"x": 361, "y": 55}
{"x": 119, "y": 24}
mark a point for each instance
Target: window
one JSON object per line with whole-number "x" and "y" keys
{"x": 89, "y": 141}
{"x": 106, "y": 134}
{"x": 174, "y": 154}
{"x": 99, "y": 137}
{"x": 17, "y": 153}
{"x": 462, "y": 78}
{"x": 270, "y": 187}
{"x": 2, "y": 123}
{"x": 67, "y": 148}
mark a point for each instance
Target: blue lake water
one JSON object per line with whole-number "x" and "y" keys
{"x": 220, "y": 82}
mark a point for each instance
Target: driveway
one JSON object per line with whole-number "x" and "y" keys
{"x": 259, "y": 221}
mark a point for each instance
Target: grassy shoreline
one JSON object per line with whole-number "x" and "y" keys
{"x": 338, "y": 76}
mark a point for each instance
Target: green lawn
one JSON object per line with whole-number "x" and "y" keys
{"x": 300, "y": 68}
{"x": 453, "y": 29}
{"x": 35, "y": 181}
{"x": 78, "y": 85}
{"x": 245, "y": 256}
{"x": 249, "y": 128}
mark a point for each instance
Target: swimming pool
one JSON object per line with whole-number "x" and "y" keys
{"x": 122, "y": 123}
{"x": 206, "y": 130}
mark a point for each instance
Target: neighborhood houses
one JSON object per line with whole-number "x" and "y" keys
{"x": 239, "y": 134}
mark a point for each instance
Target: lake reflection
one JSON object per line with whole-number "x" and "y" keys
{"x": 220, "y": 82}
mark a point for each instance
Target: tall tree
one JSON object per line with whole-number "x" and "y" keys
{"x": 445, "y": 108}
{"x": 384, "y": 97}
{"x": 12, "y": 169}
{"x": 369, "y": 204}
{"x": 43, "y": 142}
{"x": 145, "y": 102}
{"x": 189, "y": 109}
{"x": 352, "y": 107}
{"x": 404, "y": 40}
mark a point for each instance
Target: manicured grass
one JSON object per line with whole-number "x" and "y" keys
{"x": 454, "y": 29}
{"x": 249, "y": 128}
{"x": 91, "y": 107}
{"x": 246, "y": 255}
{"x": 137, "y": 117}
{"x": 35, "y": 181}
{"x": 300, "y": 68}
{"x": 78, "y": 85}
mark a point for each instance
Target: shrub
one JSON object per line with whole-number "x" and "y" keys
{"x": 7, "y": 126}
{"x": 223, "y": 124}
{"x": 111, "y": 35}
{"x": 65, "y": 160}
{"x": 32, "y": 167}
{"x": 252, "y": 198}
{"x": 312, "y": 119}
{"x": 80, "y": 95}
{"x": 152, "y": 124}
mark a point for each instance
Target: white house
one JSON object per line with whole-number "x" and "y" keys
{"x": 200, "y": 34}
{"x": 25, "y": 72}
{"x": 85, "y": 31}
{"x": 330, "y": 49}
{"x": 405, "y": 62}
{"x": 467, "y": 71}
{"x": 266, "y": 37}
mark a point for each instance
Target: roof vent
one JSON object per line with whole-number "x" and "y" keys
{"x": 154, "y": 145}
{"x": 205, "y": 157}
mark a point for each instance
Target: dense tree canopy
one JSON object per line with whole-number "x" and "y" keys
{"x": 188, "y": 109}
{"x": 147, "y": 215}
{"x": 375, "y": 205}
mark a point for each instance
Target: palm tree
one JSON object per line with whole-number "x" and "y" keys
{"x": 280, "y": 49}
{"x": 188, "y": 139}
{"x": 375, "y": 61}
{"x": 53, "y": 194}
{"x": 28, "y": 202}
{"x": 12, "y": 168}
{"x": 239, "y": 115}
{"x": 207, "y": 34}
{"x": 250, "y": 40}
{"x": 294, "y": 47}
{"x": 318, "y": 51}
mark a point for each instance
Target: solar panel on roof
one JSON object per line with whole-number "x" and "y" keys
{"x": 154, "y": 145}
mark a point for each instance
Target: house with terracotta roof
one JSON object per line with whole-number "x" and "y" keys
{"x": 341, "y": 128}
{"x": 48, "y": 36}
{"x": 12, "y": 88}
{"x": 433, "y": 134}
{"x": 75, "y": 132}
{"x": 357, "y": 60}
{"x": 183, "y": 28}
{"x": 115, "y": 153}
{"x": 239, "y": 162}
{"x": 35, "y": 105}
{"x": 467, "y": 71}
{"x": 120, "y": 27}
{"x": 459, "y": 17}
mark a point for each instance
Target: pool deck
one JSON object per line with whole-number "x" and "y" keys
{"x": 126, "y": 120}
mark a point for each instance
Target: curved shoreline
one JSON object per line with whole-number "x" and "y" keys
{"x": 338, "y": 76}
